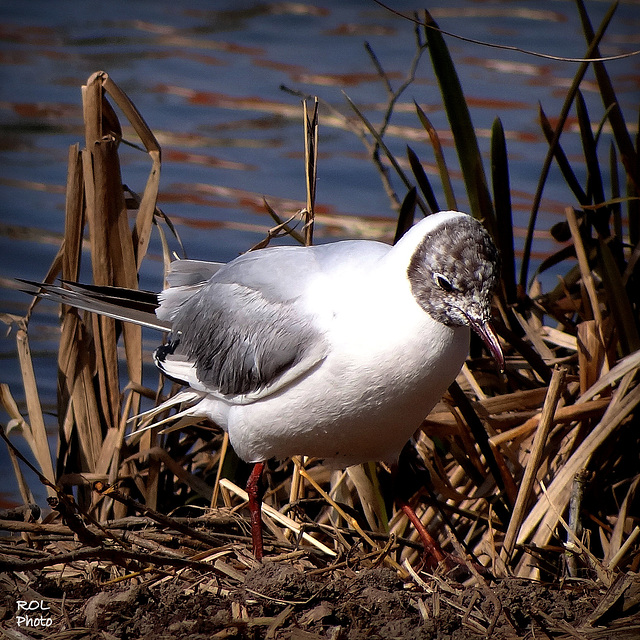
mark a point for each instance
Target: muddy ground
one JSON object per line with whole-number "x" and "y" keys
{"x": 288, "y": 599}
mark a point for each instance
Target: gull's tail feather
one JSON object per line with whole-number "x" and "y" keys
{"x": 128, "y": 305}
{"x": 188, "y": 397}
{"x": 139, "y": 307}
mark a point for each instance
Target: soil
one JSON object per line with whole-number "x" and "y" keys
{"x": 289, "y": 600}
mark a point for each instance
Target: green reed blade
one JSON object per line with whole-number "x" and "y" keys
{"x": 562, "y": 160}
{"x": 445, "y": 178}
{"x": 461, "y": 126}
{"x": 422, "y": 180}
{"x": 502, "y": 203}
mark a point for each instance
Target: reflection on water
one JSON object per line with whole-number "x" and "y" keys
{"x": 208, "y": 82}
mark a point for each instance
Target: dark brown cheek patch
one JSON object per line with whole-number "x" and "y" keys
{"x": 462, "y": 252}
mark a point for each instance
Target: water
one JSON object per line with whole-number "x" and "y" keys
{"x": 207, "y": 78}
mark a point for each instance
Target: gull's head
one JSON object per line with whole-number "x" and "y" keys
{"x": 453, "y": 273}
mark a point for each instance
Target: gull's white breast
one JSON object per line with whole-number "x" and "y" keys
{"x": 387, "y": 364}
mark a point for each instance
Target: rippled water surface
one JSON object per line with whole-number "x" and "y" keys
{"x": 208, "y": 79}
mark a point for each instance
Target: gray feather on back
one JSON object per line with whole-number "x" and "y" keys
{"x": 240, "y": 328}
{"x": 238, "y": 341}
{"x": 244, "y": 328}
{"x": 188, "y": 272}
{"x": 185, "y": 278}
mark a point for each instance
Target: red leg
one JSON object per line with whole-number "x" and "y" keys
{"x": 255, "y": 491}
{"x": 433, "y": 554}
{"x": 432, "y": 551}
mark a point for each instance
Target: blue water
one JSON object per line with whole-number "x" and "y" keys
{"x": 207, "y": 78}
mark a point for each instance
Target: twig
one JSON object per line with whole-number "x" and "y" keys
{"x": 394, "y": 96}
{"x": 506, "y": 47}
{"x": 100, "y": 553}
{"x": 112, "y": 492}
{"x": 526, "y": 486}
{"x": 575, "y": 524}
{"x": 311, "y": 168}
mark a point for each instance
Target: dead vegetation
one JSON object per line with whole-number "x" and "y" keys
{"x": 528, "y": 479}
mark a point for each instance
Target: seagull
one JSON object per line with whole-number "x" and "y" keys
{"x": 335, "y": 351}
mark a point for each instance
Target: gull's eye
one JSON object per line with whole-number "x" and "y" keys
{"x": 443, "y": 283}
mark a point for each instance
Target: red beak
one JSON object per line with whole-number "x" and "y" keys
{"x": 490, "y": 338}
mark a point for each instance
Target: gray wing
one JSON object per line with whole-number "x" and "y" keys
{"x": 245, "y": 331}
{"x": 237, "y": 341}
{"x": 285, "y": 273}
{"x": 242, "y": 331}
